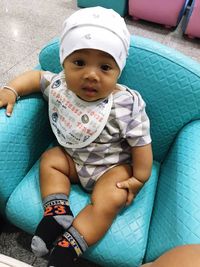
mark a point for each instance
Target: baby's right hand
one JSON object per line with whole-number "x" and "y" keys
{"x": 7, "y": 100}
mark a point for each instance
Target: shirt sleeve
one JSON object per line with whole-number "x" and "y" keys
{"x": 138, "y": 128}
{"x": 132, "y": 119}
{"x": 46, "y": 79}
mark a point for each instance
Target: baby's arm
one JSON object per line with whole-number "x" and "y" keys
{"x": 25, "y": 84}
{"x": 142, "y": 164}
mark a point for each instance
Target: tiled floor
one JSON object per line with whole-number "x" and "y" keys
{"x": 25, "y": 27}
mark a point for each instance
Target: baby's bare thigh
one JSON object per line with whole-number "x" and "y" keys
{"x": 58, "y": 158}
{"x": 116, "y": 174}
{"x": 106, "y": 187}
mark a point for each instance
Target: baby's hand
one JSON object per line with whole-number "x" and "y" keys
{"x": 132, "y": 185}
{"x": 7, "y": 99}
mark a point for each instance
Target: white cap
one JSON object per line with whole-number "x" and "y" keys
{"x": 96, "y": 28}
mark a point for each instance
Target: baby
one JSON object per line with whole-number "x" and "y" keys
{"x": 102, "y": 131}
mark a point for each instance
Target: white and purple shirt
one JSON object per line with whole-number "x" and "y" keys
{"x": 97, "y": 135}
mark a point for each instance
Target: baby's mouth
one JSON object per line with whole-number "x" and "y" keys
{"x": 89, "y": 90}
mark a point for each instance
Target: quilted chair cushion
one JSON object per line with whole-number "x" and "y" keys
{"x": 127, "y": 235}
{"x": 169, "y": 82}
{"x": 176, "y": 217}
{"x": 22, "y": 141}
{"x": 49, "y": 56}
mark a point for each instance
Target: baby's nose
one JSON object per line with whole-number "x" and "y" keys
{"x": 91, "y": 74}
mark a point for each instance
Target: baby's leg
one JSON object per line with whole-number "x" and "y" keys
{"x": 106, "y": 201}
{"x": 55, "y": 168}
{"x": 94, "y": 220}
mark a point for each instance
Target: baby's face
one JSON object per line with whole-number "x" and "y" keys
{"x": 91, "y": 74}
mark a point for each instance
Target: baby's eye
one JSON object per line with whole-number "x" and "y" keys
{"x": 105, "y": 67}
{"x": 79, "y": 63}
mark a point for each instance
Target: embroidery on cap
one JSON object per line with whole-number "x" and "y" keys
{"x": 88, "y": 36}
{"x": 96, "y": 16}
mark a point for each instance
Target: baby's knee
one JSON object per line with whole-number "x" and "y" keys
{"x": 46, "y": 159}
{"x": 113, "y": 200}
{"x": 118, "y": 198}
{"x": 49, "y": 157}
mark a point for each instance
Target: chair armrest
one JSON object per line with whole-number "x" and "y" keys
{"x": 176, "y": 216}
{"x": 23, "y": 137}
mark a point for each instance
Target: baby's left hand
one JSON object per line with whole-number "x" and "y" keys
{"x": 132, "y": 185}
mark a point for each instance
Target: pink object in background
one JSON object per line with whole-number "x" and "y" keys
{"x": 192, "y": 28}
{"x": 163, "y": 12}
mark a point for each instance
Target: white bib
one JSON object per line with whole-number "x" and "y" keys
{"x": 76, "y": 123}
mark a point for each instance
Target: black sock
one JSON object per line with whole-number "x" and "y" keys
{"x": 70, "y": 246}
{"x": 57, "y": 219}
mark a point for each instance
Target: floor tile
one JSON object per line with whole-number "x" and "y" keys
{"x": 12, "y": 53}
{"x": 27, "y": 63}
{"x": 16, "y": 244}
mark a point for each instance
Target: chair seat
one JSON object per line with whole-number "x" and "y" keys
{"x": 128, "y": 233}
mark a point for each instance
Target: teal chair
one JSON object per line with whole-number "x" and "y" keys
{"x": 166, "y": 211}
{"x": 120, "y": 6}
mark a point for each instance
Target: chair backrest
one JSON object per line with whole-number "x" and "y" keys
{"x": 168, "y": 81}
{"x": 120, "y": 6}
